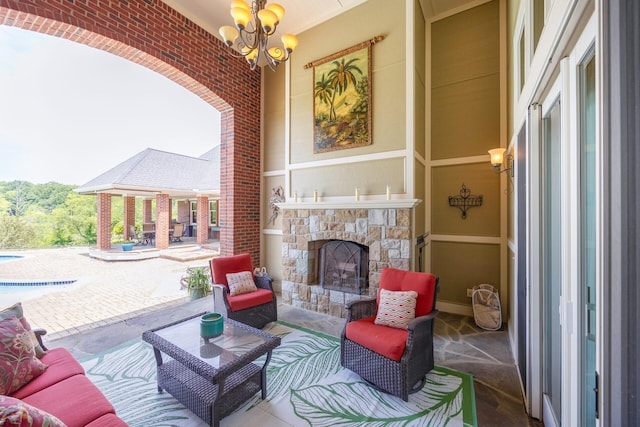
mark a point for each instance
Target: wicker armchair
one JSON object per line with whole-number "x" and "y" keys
{"x": 393, "y": 360}
{"x": 255, "y": 308}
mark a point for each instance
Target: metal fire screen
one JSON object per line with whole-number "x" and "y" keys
{"x": 344, "y": 266}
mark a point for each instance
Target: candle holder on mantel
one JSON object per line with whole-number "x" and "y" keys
{"x": 465, "y": 201}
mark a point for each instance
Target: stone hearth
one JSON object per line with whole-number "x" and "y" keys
{"x": 386, "y": 231}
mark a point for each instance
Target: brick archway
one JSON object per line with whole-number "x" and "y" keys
{"x": 152, "y": 34}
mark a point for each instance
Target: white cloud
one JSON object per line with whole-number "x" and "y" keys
{"x": 69, "y": 112}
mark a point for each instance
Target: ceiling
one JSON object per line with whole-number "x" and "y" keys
{"x": 300, "y": 14}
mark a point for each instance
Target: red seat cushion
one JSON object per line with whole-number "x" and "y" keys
{"x": 108, "y": 420}
{"x": 61, "y": 399}
{"x": 384, "y": 340}
{"x": 221, "y": 266}
{"x": 424, "y": 284}
{"x": 61, "y": 364}
{"x": 251, "y": 299}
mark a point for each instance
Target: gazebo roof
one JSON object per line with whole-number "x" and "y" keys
{"x": 153, "y": 171}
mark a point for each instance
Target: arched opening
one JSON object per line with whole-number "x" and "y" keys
{"x": 160, "y": 39}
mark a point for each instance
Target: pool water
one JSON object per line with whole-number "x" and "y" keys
{"x": 7, "y": 258}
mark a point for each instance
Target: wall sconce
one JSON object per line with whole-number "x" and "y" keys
{"x": 497, "y": 159}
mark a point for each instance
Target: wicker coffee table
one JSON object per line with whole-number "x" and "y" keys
{"x": 211, "y": 377}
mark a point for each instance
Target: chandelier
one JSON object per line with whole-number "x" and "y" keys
{"x": 252, "y": 35}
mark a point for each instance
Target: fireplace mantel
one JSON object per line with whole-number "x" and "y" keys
{"x": 352, "y": 204}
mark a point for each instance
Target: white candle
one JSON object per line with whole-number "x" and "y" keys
{"x": 315, "y": 196}
{"x": 388, "y": 192}
{"x": 357, "y": 195}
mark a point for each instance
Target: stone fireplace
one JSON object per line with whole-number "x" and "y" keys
{"x": 384, "y": 229}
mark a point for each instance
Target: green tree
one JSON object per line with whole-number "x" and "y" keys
{"x": 16, "y": 233}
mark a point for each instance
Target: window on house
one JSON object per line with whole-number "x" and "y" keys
{"x": 194, "y": 212}
{"x": 213, "y": 212}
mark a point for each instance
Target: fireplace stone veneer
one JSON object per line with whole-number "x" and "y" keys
{"x": 386, "y": 231}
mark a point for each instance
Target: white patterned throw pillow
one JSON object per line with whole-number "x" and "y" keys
{"x": 396, "y": 308}
{"x": 241, "y": 283}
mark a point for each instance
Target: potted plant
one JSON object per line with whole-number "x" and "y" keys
{"x": 127, "y": 245}
{"x": 197, "y": 282}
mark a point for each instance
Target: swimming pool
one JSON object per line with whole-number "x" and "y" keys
{"x": 7, "y": 258}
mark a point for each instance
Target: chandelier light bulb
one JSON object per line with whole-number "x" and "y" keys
{"x": 289, "y": 41}
{"x": 229, "y": 34}
{"x": 268, "y": 20}
{"x": 241, "y": 17}
{"x": 241, "y": 4}
{"x": 277, "y": 9}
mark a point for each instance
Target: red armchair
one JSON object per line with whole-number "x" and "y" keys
{"x": 393, "y": 359}
{"x": 255, "y": 308}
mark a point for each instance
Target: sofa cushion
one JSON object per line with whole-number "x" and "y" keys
{"x": 252, "y": 299}
{"x": 241, "y": 283}
{"x": 107, "y": 420}
{"x": 396, "y": 309}
{"x": 16, "y": 413}
{"x": 384, "y": 340}
{"x": 75, "y": 400}
{"x": 16, "y": 310}
{"x": 61, "y": 365}
{"x": 18, "y": 361}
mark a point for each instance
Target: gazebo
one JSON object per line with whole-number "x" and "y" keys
{"x": 163, "y": 177}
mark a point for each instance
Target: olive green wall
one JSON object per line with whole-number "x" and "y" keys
{"x": 274, "y": 115}
{"x": 480, "y": 221}
{"x": 338, "y": 180}
{"x": 373, "y": 18}
{"x": 465, "y": 123}
{"x": 461, "y": 266}
{"x": 338, "y": 173}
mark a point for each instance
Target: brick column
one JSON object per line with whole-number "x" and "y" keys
{"x": 104, "y": 221}
{"x": 162, "y": 221}
{"x": 202, "y": 220}
{"x": 129, "y": 217}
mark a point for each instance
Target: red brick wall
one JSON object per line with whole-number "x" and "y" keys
{"x": 152, "y": 34}
{"x": 129, "y": 215}
{"x": 162, "y": 221}
{"x": 104, "y": 221}
{"x": 202, "y": 211}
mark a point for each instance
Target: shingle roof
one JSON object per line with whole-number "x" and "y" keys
{"x": 160, "y": 171}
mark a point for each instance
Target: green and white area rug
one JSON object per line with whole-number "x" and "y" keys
{"x": 306, "y": 387}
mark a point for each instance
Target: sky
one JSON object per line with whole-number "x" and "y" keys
{"x": 69, "y": 112}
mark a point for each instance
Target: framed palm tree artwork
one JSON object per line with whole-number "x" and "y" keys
{"x": 342, "y": 99}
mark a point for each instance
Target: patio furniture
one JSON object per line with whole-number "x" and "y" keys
{"x": 137, "y": 236}
{"x": 392, "y": 352}
{"x": 256, "y": 307}
{"x": 178, "y": 232}
{"x": 213, "y": 376}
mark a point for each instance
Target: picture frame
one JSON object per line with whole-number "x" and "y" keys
{"x": 342, "y": 99}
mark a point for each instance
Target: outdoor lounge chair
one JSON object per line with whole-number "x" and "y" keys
{"x": 178, "y": 232}
{"x": 394, "y": 356}
{"x": 257, "y": 306}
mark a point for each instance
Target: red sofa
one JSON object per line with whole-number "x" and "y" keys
{"x": 64, "y": 391}
{"x": 45, "y": 387}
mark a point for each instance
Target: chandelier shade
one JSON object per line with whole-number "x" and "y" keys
{"x": 251, "y": 34}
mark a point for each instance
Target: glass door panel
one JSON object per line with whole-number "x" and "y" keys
{"x": 552, "y": 265}
{"x": 588, "y": 241}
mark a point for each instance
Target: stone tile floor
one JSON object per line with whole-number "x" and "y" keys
{"x": 114, "y": 302}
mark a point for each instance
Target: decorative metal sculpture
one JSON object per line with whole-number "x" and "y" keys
{"x": 465, "y": 201}
{"x": 277, "y": 196}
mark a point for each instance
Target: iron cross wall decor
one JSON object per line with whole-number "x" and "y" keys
{"x": 465, "y": 200}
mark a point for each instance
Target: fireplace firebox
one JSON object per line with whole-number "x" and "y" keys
{"x": 344, "y": 266}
